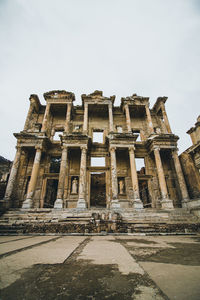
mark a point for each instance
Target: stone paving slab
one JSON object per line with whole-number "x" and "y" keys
{"x": 4, "y": 239}
{"x": 53, "y": 252}
{"x": 19, "y": 244}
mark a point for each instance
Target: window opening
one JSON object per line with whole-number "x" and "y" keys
{"x": 97, "y": 137}
{"x": 139, "y": 135}
{"x": 56, "y": 135}
{"x": 140, "y": 165}
{"x": 55, "y": 164}
{"x": 98, "y": 162}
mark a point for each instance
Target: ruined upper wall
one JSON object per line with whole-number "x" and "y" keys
{"x": 194, "y": 132}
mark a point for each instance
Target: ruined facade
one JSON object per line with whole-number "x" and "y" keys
{"x": 96, "y": 155}
{"x": 190, "y": 160}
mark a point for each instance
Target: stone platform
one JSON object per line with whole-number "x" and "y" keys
{"x": 98, "y": 221}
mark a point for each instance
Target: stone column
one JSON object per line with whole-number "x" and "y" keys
{"x": 181, "y": 180}
{"x": 85, "y": 121}
{"x": 128, "y": 119}
{"x": 110, "y": 110}
{"x": 82, "y": 179}
{"x": 113, "y": 165}
{"x": 30, "y": 111}
{"x": 12, "y": 178}
{"x": 149, "y": 119}
{"x": 60, "y": 193}
{"x": 137, "y": 203}
{"x": 46, "y": 116}
{"x": 68, "y": 115}
{"x": 165, "y": 118}
{"x": 166, "y": 203}
{"x": 28, "y": 203}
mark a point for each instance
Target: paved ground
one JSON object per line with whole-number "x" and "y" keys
{"x": 100, "y": 267}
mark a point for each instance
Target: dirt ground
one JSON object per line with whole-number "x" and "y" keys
{"x": 100, "y": 267}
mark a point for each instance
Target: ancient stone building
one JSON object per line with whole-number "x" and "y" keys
{"x": 96, "y": 155}
{"x": 190, "y": 161}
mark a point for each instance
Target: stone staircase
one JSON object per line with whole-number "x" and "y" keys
{"x": 97, "y": 221}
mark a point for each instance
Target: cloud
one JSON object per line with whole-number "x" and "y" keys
{"x": 121, "y": 47}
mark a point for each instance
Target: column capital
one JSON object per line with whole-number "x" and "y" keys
{"x": 38, "y": 147}
{"x": 83, "y": 148}
{"x": 112, "y": 148}
{"x": 18, "y": 148}
{"x": 131, "y": 148}
{"x": 64, "y": 147}
{"x": 156, "y": 147}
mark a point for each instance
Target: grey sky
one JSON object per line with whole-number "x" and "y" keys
{"x": 122, "y": 47}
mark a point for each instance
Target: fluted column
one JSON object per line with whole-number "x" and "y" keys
{"x": 45, "y": 119}
{"x": 149, "y": 119}
{"x": 28, "y": 203}
{"x": 137, "y": 203}
{"x": 128, "y": 119}
{"x": 166, "y": 121}
{"x": 166, "y": 203}
{"x": 181, "y": 180}
{"x": 12, "y": 178}
{"x": 113, "y": 165}
{"x": 59, "y": 199}
{"x": 30, "y": 111}
{"x": 85, "y": 121}
{"x": 82, "y": 179}
{"x": 110, "y": 110}
{"x": 68, "y": 115}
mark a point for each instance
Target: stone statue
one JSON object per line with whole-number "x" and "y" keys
{"x": 75, "y": 186}
{"x": 121, "y": 186}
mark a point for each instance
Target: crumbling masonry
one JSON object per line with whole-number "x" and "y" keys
{"x": 87, "y": 156}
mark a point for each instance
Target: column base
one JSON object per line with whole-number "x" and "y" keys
{"x": 28, "y": 203}
{"x": 115, "y": 204}
{"x": 185, "y": 203}
{"x": 167, "y": 204}
{"x": 58, "y": 203}
{"x": 81, "y": 204}
{"x": 137, "y": 204}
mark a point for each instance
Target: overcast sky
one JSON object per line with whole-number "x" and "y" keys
{"x": 122, "y": 47}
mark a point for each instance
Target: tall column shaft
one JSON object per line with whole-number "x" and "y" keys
{"x": 166, "y": 202}
{"x": 59, "y": 201}
{"x": 12, "y": 178}
{"x": 181, "y": 180}
{"x": 128, "y": 119}
{"x": 166, "y": 118}
{"x": 110, "y": 110}
{"x": 46, "y": 116}
{"x": 82, "y": 179}
{"x": 85, "y": 121}
{"x": 149, "y": 119}
{"x": 137, "y": 203}
{"x": 30, "y": 111}
{"x": 34, "y": 175}
{"x": 68, "y": 115}
{"x": 113, "y": 165}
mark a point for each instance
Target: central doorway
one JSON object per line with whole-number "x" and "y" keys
{"x": 98, "y": 190}
{"x": 51, "y": 193}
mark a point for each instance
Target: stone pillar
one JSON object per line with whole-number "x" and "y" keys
{"x": 30, "y": 111}
{"x": 85, "y": 121}
{"x": 110, "y": 110}
{"x": 46, "y": 116}
{"x": 181, "y": 180}
{"x": 82, "y": 179}
{"x": 137, "y": 203}
{"x": 128, "y": 119}
{"x": 165, "y": 118}
{"x": 149, "y": 120}
{"x": 113, "y": 165}
{"x": 12, "y": 178}
{"x": 28, "y": 203}
{"x": 60, "y": 193}
{"x": 68, "y": 115}
{"x": 166, "y": 203}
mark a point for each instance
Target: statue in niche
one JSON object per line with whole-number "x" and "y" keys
{"x": 74, "y": 186}
{"x": 121, "y": 186}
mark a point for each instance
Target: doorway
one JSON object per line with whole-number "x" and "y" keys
{"x": 51, "y": 193}
{"x": 98, "y": 190}
{"x": 144, "y": 193}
